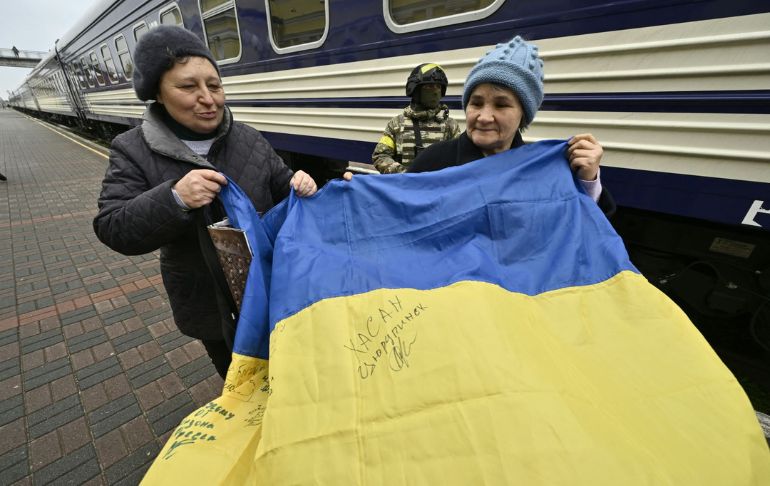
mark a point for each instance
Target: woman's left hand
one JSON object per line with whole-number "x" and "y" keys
{"x": 584, "y": 153}
{"x": 303, "y": 184}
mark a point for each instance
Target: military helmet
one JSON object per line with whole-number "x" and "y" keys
{"x": 426, "y": 74}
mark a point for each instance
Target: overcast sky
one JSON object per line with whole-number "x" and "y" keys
{"x": 34, "y": 25}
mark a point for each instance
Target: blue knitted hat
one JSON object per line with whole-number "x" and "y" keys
{"x": 516, "y": 66}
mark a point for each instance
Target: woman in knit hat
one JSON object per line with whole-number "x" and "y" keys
{"x": 501, "y": 96}
{"x": 164, "y": 175}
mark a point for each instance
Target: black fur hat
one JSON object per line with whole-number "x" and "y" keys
{"x": 158, "y": 50}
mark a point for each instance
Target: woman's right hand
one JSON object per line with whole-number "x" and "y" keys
{"x": 585, "y": 155}
{"x": 199, "y": 187}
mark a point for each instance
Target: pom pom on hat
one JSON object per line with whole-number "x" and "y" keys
{"x": 516, "y": 66}
{"x": 157, "y": 51}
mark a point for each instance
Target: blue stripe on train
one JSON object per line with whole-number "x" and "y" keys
{"x": 707, "y": 198}
{"x": 366, "y": 37}
{"x": 358, "y": 32}
{"x": 752, "y": 102}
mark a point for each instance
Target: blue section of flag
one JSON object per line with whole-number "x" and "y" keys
{"x": 491, "y": 220}
{"x": 252, "y": 335}
{"x": 517, "y": 220}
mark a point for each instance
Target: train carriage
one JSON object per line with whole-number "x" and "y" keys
{"x": 677, "y": 91}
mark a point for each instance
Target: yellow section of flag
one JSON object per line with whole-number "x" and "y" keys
{"x": 602, "y": 384}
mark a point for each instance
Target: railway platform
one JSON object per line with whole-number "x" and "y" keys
{"x": 94, "y": 375}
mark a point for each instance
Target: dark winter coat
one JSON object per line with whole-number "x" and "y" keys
{"x": 138, "y": 213}
{"x": 462, "y": 150}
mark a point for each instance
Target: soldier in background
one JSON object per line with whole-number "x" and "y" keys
{"x": 424, "y": 122}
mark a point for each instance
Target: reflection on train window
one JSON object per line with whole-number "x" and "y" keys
{"x": 140, "y": 30}
{"x": 88, "y": 72}
{"x": 297, "y": 23}
{"x": 220, "y": 23}
{"x": 124, "y": 56}
{"x": 410, "y": 15}
{"x": 111, "y": 71}
{"x": 172, "y": 16}
{"x": 97, "y": 69}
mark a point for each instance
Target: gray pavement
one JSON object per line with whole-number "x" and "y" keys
{"x": 94, "y": 374}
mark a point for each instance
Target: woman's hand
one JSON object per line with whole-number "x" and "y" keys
{"x": 584, "y": 153}
{"x": 199, "y": 187}
{"x": 303, "y": 184}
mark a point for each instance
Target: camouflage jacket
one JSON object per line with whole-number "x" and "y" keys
{"x": 396, "y": 149}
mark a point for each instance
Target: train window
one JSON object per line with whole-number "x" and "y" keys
{"x": 89, "y": 74}
{"x": 297, "y": 24}
{"x": 410, "y": 15}
{"x": 97, "y": 69}
{"x": 220, "y": 23}
{"x": 75, "y": 67}
{"x": 139, "y": 30}
{"x": 171, "y": 16}
{"x": 124, "y": 56}
{"x": 107, "y": 57}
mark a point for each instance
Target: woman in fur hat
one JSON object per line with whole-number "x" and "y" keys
{"x": 164, "y": 175}
{"x": 501, "y": 95}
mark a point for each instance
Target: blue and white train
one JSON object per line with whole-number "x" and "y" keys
{"x": 677, "y": 91}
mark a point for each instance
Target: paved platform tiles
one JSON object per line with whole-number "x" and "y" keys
{"x": 94, "y": 375}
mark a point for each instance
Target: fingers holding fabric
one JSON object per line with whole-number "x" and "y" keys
{"x": 303, "y": 184}
{"x": 584, "y": 154}
{"x": 199, "y": 187}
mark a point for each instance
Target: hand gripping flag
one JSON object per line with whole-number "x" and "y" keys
{"x": 477, "y": 325}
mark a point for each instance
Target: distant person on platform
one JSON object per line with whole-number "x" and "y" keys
{"x": 424, "y": 122}
{"x": 160, "y": 189}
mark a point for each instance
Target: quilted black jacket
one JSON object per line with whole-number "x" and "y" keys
{"x": 138, "y": 213}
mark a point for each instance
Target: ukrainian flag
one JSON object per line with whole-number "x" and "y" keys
{"x": 477, "y": 325}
